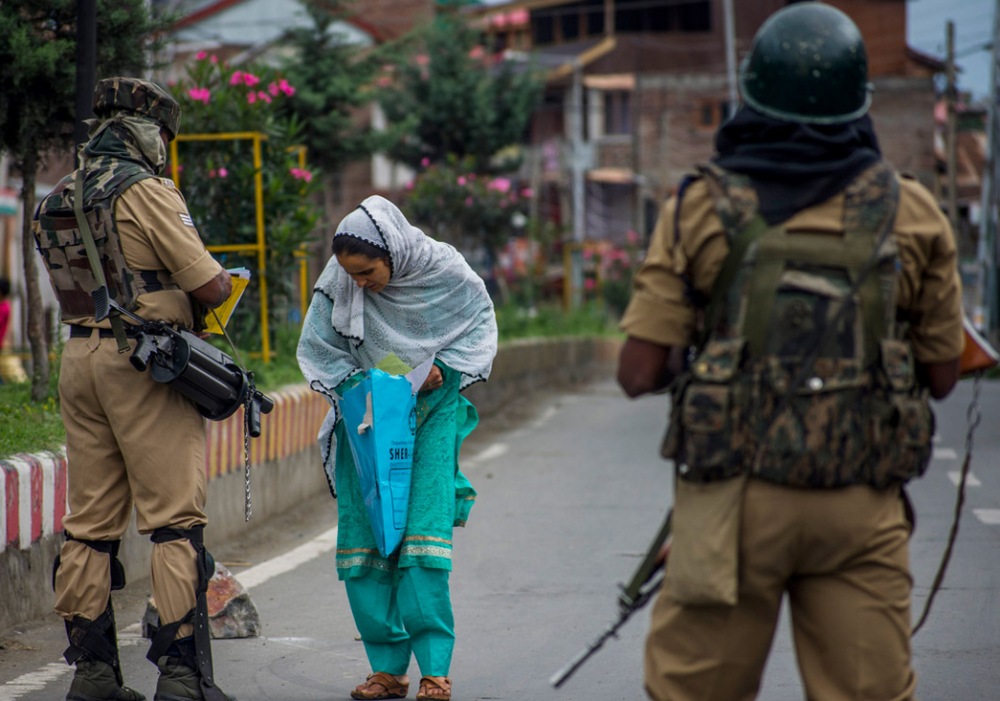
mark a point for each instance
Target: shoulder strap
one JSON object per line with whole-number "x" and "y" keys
{"x": 101, "y": 295}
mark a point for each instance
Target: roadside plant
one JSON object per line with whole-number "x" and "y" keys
{"x": 217, "y": 178}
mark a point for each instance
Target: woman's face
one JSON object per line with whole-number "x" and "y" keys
{"x": 370, "y": 273}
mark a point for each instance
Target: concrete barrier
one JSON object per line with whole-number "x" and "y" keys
{"x": 284, "y": 465}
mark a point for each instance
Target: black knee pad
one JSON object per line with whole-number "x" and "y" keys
{"x": 109, "y": 547}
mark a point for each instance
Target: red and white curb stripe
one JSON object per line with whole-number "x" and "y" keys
{"x": 32, "y": 498}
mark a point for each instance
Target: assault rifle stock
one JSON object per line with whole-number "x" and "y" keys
{"x": 644, "y": 584}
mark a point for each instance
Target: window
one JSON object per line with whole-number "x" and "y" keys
{"x": 570, "y": 25}
{"x": 663, "y": 16}
{"x": 544, "y": 29}
{"x": 709, "y": 113}
{"x": 617, "y": 112}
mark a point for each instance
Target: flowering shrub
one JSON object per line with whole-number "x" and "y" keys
{"x": 217, "y": 178}
{"x": 467, "y": 209}
{"x": 617, "y": 267}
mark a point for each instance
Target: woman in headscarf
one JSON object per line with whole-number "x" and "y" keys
{"x": 390, "y": 289}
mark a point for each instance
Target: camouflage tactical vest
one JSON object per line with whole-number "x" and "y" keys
{"x": 60, "y": 242}
{"x": 859, "y": 417}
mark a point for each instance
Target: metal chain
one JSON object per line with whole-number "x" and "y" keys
{"x": 973, "y": 416}
{"x": 247, "y": 505}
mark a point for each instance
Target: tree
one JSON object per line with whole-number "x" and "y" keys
{"x": 334, "y": 78}
{"x": 37, "y": 105}
{"x": 218, "y": 177}
{"x": 456, "y": 99}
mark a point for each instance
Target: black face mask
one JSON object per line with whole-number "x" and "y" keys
{"x": 793, "y": 166}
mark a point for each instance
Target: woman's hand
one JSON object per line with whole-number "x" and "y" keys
{"x": 434, "y": 379}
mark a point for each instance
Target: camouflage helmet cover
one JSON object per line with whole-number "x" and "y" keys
{"x": 140, "y": 98}
{"x": 807, "y": 64}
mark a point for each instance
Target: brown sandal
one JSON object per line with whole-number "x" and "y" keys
{"x": 433, "y": 684}
{"x": 391, "y": 688}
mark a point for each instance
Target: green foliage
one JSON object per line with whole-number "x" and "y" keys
{"x": 28, "y": 426}
{"x": 550, "y": 320}
{"x": 38, "y": 65}
{"x": 333, "y": 79}
{"x": 218, "y": 179}
{"x": 467, "y": 209}
{"x": 456, "y": 99}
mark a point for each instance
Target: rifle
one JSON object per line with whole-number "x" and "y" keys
{"x": 644, "y": 583}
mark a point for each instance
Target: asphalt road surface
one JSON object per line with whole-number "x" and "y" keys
{"x": 570, "y": 493}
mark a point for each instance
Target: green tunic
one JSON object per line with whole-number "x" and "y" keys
{"x": 440, "y": 495}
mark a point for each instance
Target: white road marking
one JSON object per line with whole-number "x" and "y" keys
{"x": 945, "y": 454}
{"x": 258, "y": 574}
{"x": 491, "y": 453}
{"x": 970, "y": 481}
{"x": 544, "y": 418}
{"x": 33, "y": 681}
{"x": 990, "y": 517}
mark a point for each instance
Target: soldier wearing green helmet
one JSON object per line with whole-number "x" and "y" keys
{"x": 801, "y": 300}
{"x": 130, "y": 441}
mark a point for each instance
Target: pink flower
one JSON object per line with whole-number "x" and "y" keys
{"x": 409, "y": 185}
{"x": 223, "y": 172}
{"x": 425, "y": 161}
{"x": 284, "y": 87}
{"x": 632, "y": 237}
{"x": 422, "y": 59}
{"x": 588, "y": 253}
{"x": 201, "y": 94}
{"x": 201, "y": 55}
{"x": 273, "y": 89}
{"x": 251, "y": 97}
{"x": 384, "y": 81}
{"x": 211, "y": 173}
{"x": 499, "y": 184}
{"x": 300, "y": 174}
{"x": 472, "y": 176}
{"x": 527, "y": 192}
{"x": 477, "y": 52}
{"x": 589, "y": 283}
{"x": 264, "y": 96}
{"x": 461, "y": 180}
{"x": 250, "y": 79}
{"x": 214, "y": 59}
{"x": 468, "y": 201}
{"x": 236, "y": 78}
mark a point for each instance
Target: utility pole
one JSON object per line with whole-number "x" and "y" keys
{"x": 988, "y": 218}
{"x": 951, "y": 128}
{"x": 730, "y": 23}
{"x": 575, "y": 281}
{"x": 86, "y": 67}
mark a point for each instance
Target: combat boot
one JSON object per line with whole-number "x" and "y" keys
{"x": 179, "y": 682}
{"x": 96, "y": 681}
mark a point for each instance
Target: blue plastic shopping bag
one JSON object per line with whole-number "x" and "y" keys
{"x": 380, "y": 420}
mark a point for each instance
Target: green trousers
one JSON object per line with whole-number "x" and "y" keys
{"x": 411, "y": 615}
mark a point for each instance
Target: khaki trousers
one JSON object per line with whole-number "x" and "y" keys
{"x": 129, "y": 441}
{"x": 842, "y": 557}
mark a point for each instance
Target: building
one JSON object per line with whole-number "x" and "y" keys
{"x": 635, "y": 90}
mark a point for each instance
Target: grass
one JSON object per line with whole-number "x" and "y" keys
{"x": 27, "y": 427}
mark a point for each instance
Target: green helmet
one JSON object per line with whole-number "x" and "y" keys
{"x": 807, "y": 64}
{"x": 137, "y": 97}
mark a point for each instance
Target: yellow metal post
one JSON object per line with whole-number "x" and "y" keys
{"x": 261, "y": 249}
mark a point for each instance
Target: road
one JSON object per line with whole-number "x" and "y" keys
{"x": 570, "y": 492}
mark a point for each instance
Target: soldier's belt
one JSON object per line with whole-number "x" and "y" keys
{"x": 80, "y": 331}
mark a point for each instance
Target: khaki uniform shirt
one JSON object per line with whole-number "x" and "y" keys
{"x": 156, "y": 232}
{"x": 928, "y": 286}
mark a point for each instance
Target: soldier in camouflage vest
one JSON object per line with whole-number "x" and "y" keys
{"x": 801, "y": 301}
{"x": 129, "y": 440}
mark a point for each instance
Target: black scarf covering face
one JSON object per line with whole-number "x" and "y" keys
{"x": 793, "y": 166}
